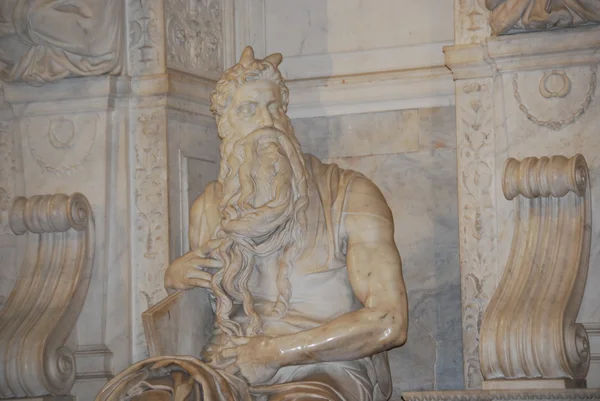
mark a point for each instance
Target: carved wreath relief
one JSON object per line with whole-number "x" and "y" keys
{"x": 556, "y": 84}
{"x": 60, "y": 145}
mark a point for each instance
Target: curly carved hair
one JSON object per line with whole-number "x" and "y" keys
{"x": 246, "y": 70}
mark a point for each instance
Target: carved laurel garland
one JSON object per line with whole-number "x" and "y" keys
{"x": 529, "y": 329}
{"x": 43, "y": 308}
{"x": 556, "y": 125}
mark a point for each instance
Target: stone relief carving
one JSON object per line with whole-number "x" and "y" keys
{"x": 61, "y": 145}
{"x": 46, "y": 40}
{"x": 476, "y": 160}
{"x": 7, "y": 171}
{"x": 151, "y": 226}
{"x": 563, "y": 90}
{"x": 508, "y": 15}
{"x": 145, "y": 36}
{"x": 471, "y": 22}
{"x": 45, "y": 303}
{"x": 521, "y": 336}
{"x": 292, "y": 253}
{"x": 149, "y": 154}
{"x": 194, "y": 36}
{"x": 560, "y": 92}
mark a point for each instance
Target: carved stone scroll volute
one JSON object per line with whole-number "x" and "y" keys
{"x": 44, "y": 305}
{"x": 529, "y": 329}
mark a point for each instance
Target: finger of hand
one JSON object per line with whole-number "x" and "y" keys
{"x": 229, "y": 353}
{"x": 219, "y": 363}
{"x": 193, "y": 273}
{"x": 232, "y": 369}
{"x": 207, "y": 247}
{"x": 207, "y": 263}
{"x": 197, "y": 282}
{"x": 240, "y": 340}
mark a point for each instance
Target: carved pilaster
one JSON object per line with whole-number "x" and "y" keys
{"x": 146, "y": 37}
{"x": 49, "y": 295}
{"x": 529, "y": 329}
{"x": 475, "y": 138}
{"x": 470, "y": 22}
{"x": 151, "y": 224}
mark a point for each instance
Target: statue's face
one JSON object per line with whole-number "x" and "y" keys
{"x": 256, "y": 104}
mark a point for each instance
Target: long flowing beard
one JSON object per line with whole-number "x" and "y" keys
{"x": 263, "y": 211}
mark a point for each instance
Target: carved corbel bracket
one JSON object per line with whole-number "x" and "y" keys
{"x": 43, "y": 308}
{"x": 529, "y": 329}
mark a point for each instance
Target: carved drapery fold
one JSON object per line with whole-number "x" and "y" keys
{"x": 44, "y": 305}
{"x": 507, "y": 15}
{"x": 48, "y": 40}
{"x": 529, "y": 329}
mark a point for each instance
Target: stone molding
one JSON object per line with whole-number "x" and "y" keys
{"x": 508, "y": 395}
{"x": 523, "y": 52}
{"x": 44, "y": 306}
{"x": 380, "y": 91}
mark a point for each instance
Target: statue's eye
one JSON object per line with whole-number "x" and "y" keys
{"x": 275, "y": 108}
{"x": 247, "y": 109}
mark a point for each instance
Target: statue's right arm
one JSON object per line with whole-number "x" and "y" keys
{"x": 188, "y": 271}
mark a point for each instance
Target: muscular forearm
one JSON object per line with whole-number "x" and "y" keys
{"x": 351, "y": 336}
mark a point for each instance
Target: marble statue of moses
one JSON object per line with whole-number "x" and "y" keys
{"x": 300, "y": 261}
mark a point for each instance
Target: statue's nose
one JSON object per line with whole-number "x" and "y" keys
{"x": 265, "y": 119}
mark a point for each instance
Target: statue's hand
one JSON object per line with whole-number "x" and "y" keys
{"x": 254, "y": 358}
{"x": 189, "y": 270}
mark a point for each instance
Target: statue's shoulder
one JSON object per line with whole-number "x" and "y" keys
{"x": 348, "y": 191}
{"x": 208, "y": 200}
{"x": 363, "y": 197}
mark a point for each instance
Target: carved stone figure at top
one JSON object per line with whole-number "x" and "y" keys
{"x": 540, "y": 14}
{"x": 299, "y": 257}
{"x": 47, "y": 40}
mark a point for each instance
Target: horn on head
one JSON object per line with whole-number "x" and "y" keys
{"x": 274, "y": 59}
{"x": 247, "y": 56}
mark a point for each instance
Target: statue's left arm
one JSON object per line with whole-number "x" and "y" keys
{"x": 375, "y": 273}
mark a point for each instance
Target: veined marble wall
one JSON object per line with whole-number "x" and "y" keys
{"x": 411, "y": 156}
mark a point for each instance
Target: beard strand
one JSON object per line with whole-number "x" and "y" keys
{"x": 263, "y": 211}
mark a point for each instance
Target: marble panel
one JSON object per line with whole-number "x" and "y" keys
{"x": 417, "y": 176}
{"x": 437, "y": 128}
{"x": 359, "y": 134}
{"x": 193, "y": 162}
{"x": 421, "y": 191}
{"x": 317, "y": 27}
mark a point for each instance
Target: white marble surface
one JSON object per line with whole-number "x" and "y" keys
{"x": 416, "y": 172}
{"x": 316, "y": 27}
{"x": 193, "y": 163}
{"x": 338, "y": 38}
